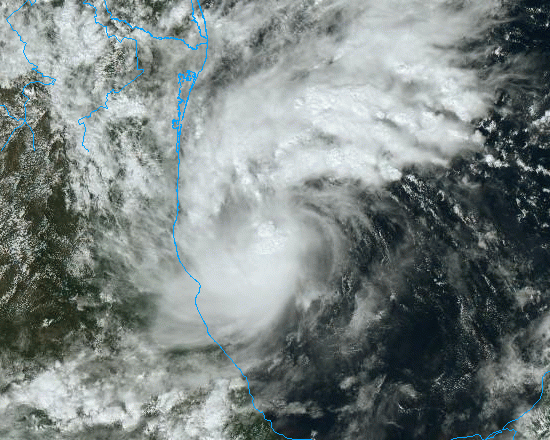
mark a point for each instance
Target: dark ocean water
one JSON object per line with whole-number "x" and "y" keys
{"x": 396, "y": 292}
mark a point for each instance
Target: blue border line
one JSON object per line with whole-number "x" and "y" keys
{"x": 177, "y": 125}
{"x": 35, "y": 68}
{"x": 81, "y": 120}
{"x": 504, "y": 428}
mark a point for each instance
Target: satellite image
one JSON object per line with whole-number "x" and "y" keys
{"x": 274, "y": 219}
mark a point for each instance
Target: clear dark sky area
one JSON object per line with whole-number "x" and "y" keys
{"x": 363, "y": 193}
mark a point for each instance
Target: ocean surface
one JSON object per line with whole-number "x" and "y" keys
{"x": 363, "y": 193}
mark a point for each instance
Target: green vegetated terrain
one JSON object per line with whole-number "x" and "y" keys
{"x": 244, "y": 422}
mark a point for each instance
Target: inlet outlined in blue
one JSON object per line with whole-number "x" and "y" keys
{"x": 191, "y": 77}
{"x": 504, "y": 428}
{"x": 176, "y": 124}
{"x": 81, "y": 121}
{"x": 51, "y": 81}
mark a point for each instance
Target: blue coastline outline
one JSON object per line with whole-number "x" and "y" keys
{"x": 176, "y": 123}
{"x": 34, "y": 68}
{"x": 120, "y": 40}
{"x": 504, "y": 428}
{"x": 190, "y": 76}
